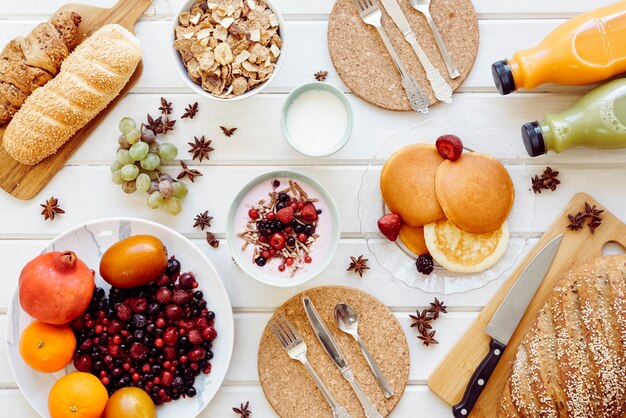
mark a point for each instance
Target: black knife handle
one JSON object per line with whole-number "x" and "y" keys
{"x": 479, "y": 380}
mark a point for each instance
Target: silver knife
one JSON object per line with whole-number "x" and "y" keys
{"x": 504, "y": 322}
{"x": 331, "y": 347}
{"x": 440, "y": 87}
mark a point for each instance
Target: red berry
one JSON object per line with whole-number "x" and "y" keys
{"x": 309, "y": 212}
{"x": 288, "y": 231}
{"x": 301, "y": 205}
{"x": 160, "y": 322}
{"x": 308, "y": 259}
{"x": 302, "y": 237}
{"x": 266, "y": 254}
{"x": 253, "y": 214}
{"x": 449, "y": 146}
{"x": 263, "y": 239}
{"x": 209, "y": 334}
{"x": 289, "y": 262}
{"x": 105, "y": 381}
{"x": 270, "y": 216}
{"x": 389, "y": 225}
{"x": 285, "y": 215}
{"x": 294, "y": 206}
{"x": 158, "y": 343}
{"x": 281, "y": 267}
{"x": 277, "y": 241}
{"x": 195, "y": 337}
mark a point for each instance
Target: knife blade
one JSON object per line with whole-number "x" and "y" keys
{"x": 505, "y": 321}
{"x": 332, "y": 349}
{"x": 441, "y": 88}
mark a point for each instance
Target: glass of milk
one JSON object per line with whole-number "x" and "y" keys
{"x": 317, "y": 119}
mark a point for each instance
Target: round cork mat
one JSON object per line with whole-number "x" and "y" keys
{"x": 293, "y": 393}
{"x": 363, "y": 63}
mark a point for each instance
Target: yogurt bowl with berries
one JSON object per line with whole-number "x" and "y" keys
{"x": 283, "y": 228}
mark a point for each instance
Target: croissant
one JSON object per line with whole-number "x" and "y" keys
{"x": 28, "y": 63}
{"x": 90, "y": 78}
{"x": 572, "y": 362}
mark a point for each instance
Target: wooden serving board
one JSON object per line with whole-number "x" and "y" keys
{"x": 25, "y": 181}
{"x": 451, "y": 376}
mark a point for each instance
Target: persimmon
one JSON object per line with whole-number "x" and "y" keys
{"x": 134, "y": 261}
{"x": 47, "y": 348}
{"x": 130, "y": 402}
{"x": 77, "y": 395}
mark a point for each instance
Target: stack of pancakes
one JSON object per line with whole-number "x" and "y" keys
{"x": 454, "y": 210}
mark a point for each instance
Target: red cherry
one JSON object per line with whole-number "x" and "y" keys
{"x": 253, "y": 214}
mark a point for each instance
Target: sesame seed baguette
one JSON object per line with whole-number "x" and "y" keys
{"x": 90, "y": 78}
{"x": 572, "y": 362}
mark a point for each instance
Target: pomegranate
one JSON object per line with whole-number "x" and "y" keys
{"x": 56, "y": 287}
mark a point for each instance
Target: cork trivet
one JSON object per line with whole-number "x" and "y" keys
{"x": 363, "y": 63}
{"x": 293, "y": 393}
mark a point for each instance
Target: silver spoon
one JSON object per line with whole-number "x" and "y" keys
{"x": 347, "y": 320}
{"x": 423, "y": 6}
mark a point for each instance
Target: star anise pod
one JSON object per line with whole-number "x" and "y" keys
{"x": 576, "y": 221}
{"x": 358, "y": 265}
{"x": 594, "y": 224}
{"x": 537, "y": 184}
{"x": 188, "y": 172}
{"x": 591, "y": 211}
{"x": 155, "y": 125}
{"x": 202, "y": 220}
{"x": 550, "y": 180}
{"x": 166, "y": 107}
{"x": 210, "y": 238}
{"x": 320, "y": 75}
{"x": 190, "y": 111}
{"x": 228, "y": 131}
{"x": 436, "y": 308}
{"x": 243, "y": 410}
{"x": 51, "y": 209}
{"x": 200, "y": 148}
{"x": 168, "y": 125}
{"x": 421, "y": 321}
{"x": 428, "y": 338}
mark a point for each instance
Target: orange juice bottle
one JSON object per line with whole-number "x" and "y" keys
{"x": 589, "y": 48}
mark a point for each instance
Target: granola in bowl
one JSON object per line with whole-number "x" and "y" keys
{"x": 229, "y": 47}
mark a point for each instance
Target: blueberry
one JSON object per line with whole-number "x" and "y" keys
{"x": 98, "y": 293}
{"x": 280, "y": 205}
{"x": 191, "y": 392}
{"x": 299, "y": 228}
{"x": 260, "y": 261}
{"x": 173, "y": 267}
{"x": 319, "y": 211}
{"x": 210, "y": 315}
{"x": 291, "y": 242}
{"x": 283, "y": 197}
{"x": 308, "y": 229}
{"x": 139, "y": 321}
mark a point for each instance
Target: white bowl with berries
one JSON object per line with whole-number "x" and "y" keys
{"x": 283, "y": 228}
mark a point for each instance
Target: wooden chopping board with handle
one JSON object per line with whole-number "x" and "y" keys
{"x": 452, "y": 375}
{"x": 25, "y": 181}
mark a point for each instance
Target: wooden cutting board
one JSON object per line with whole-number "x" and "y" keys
{"x": 25, "y": 181}
{"x": 451, "y": 376}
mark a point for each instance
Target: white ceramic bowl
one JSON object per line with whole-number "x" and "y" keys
{"x": 326, "y": 244}
{"x": 182, "y": 70}
{"x": 89, "y": 241}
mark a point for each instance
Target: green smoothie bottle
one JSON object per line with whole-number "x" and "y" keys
{"x": 597, "y": 120}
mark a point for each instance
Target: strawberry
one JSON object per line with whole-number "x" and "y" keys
{"x": 285, "y": 215}
{"x": 449, "y": 146}
{"x": 309, "y": 213}
{"x": 389, "y": 225}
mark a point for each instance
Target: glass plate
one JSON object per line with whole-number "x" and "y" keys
{"x": 394, "y": 256}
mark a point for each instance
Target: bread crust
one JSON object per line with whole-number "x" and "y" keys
{"x": 572, "y": 362}
{"x": 90, "y": 78}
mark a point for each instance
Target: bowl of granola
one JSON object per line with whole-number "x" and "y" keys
{"x": 228, "y": 49}
{"x": 283, "y": 228}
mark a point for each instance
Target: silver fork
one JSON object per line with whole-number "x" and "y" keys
{"x": 423, "y": 6}
{"x": 295, "y": 347}
{"x": 371, "y": 15}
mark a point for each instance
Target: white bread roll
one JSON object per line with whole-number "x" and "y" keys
{"x": 90, "y": 78}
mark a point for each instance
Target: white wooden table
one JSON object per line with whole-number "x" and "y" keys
{"x": 86, "y": 192}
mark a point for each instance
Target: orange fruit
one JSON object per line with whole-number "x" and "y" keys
{"x": 77, "y": 395}
{"x": 134, "y": 261}
{"x": 130, "y": 402}
{"x": 47, "y": 348}
{"x": 413, "y": 238}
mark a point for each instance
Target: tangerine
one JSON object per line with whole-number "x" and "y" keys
{"x": 47, "y": 348}
{"x": 130, "y": 402}
{"x": 77, "y": 395}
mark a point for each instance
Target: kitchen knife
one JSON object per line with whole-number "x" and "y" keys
{"x": 504, "y": 322}
{"x": 332, "y": 349}
{"x": 440, "y": 87}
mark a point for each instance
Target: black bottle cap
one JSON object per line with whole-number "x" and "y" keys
{"x": 503, "y": 77}
{"x": 533, "y": 139}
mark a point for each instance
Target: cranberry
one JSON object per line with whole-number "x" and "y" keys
{"x": 173, "y": 267}
{"x": 138, "y": 305}
{"x": 187, "y": 280}
{"x": 308, "y": 259}
{"x": 174, "y": 312}
{"x": 83, "y": 363}
{"x": 281, "y": 267}
{"x": 197, "y": 354}
{"x": 209, "y": 334}
{"x": 182, "y": 297}
{"x": 123, "y": 312}
{"x": 160, "y": 322}
{"x": 86, "y": 345}
{"x": 170, "y": 336}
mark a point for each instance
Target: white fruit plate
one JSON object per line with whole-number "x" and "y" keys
{"x": 398, "y": 260}
{"x": 89, "y": 241}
